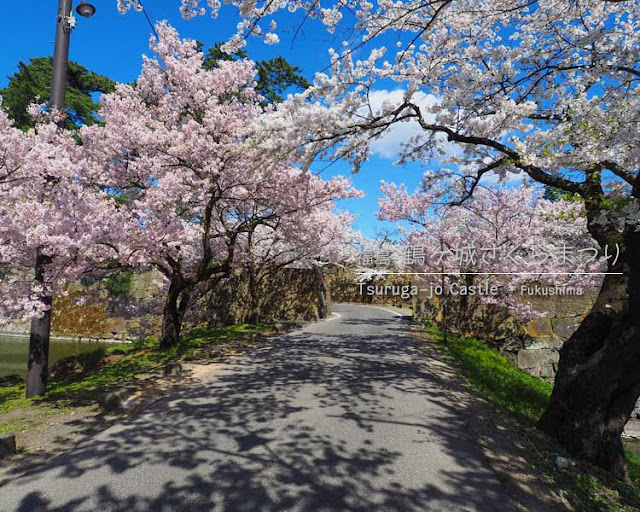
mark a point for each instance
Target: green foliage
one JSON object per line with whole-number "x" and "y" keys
{"x": 11, "y": 397}
{"x": 215, "y": 54}
{"x": 557, "y": 194}
{"x": 497, "y": 378}
{"x": 119, "y": 283}
{"x": 614, "y": 207}
{"x": 633, "y": 458}
{"x": 275, "y": 76}
{"x": 32, "y": 82}
{"x": 121, "y": 198}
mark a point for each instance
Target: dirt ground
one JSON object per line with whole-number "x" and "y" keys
{"x": 46, "y": 435}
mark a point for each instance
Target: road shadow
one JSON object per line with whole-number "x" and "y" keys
{"x": 316, "y": 422}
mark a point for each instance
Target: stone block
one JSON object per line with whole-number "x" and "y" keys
{"x": 537, "y": 358}
{"x": 549, "y": 343}
{"x": 7, "y": 445}
{"x": 539, "y": 328}
{"x": 563, "y": 328}
{"x": 547, "y": 371}
{"x": 112, "y": 401}
{"x": 172, "y": 369}
{"x": 116, "y": 326}
{"x": 562, "y": 305}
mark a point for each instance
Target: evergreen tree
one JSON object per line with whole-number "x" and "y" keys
{"x": 32, "y": 82}
{"x": 275, "y": 75}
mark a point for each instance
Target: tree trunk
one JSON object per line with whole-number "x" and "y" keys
{"x": 38, "y": 361}
{"x": 175, "y": 307}
{"x": 598, "y": 379}
{"x": 324, "y": 295}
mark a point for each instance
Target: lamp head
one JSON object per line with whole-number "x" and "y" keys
{"x": 85, "y": 9}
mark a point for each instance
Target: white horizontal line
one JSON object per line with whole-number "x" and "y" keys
{"x": 494, "y": 273}
{"x": 388, "y": 311}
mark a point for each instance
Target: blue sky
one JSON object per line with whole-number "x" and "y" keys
{"x": 112, "y": 44}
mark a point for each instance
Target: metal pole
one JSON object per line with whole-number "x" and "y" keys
{"x": 61, "y": 55}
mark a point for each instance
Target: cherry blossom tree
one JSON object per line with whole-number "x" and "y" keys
{"x": 175, "y": 149}
{"x": 53, "y": 229}
{"x": 546, "y": 89}
{"x": 313, "y": 240}
{"x": 504, "y": 237}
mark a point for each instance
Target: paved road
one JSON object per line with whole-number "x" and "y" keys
{"x": 340, "y": 416}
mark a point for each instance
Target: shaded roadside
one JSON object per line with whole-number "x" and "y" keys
{"x": 508, "y": 402}
{"x": 344, "y": 415}
{"x": 93, "y": 391}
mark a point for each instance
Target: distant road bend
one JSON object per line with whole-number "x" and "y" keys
{"x": 342, "y": 415}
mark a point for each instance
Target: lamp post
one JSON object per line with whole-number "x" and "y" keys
{"x": 38, "y": 361}
{"x": 64, "y": 25}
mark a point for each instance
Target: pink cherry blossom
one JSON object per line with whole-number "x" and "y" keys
{"x": 176, "y": 149}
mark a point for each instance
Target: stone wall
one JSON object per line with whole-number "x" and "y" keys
{"x": 543, "y": 337}
{"x": 95, "y": 309}
{"x": 131, "y": 308}
{"x": 531, "y": 344}
{"x": 287, "y": 295}
{"x": 345, "y": 288}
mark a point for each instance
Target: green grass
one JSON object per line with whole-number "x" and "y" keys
{"x": 11, "y": 397}
{"x": 107, "y": 376}
{"x": 86, "y": 378}
{"x": 199, "y": 338}
{"x": 526, "y": 397}
{"x": 146, "y": 357}
{"x": 634, "y": 467}
{"x": 498, "y": 379}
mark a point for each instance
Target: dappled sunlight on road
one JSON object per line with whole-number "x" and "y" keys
{"x": 340, "y": 416}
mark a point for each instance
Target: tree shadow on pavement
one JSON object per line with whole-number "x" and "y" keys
{"x": 352, "y": 420}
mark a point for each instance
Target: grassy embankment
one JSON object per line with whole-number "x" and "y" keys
{"x": 84, "y": 380}
{"x": 525, "y": 397}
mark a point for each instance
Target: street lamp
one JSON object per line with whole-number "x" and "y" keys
{"x": 65, "y": 23}
{"x": 85, "y": 9}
